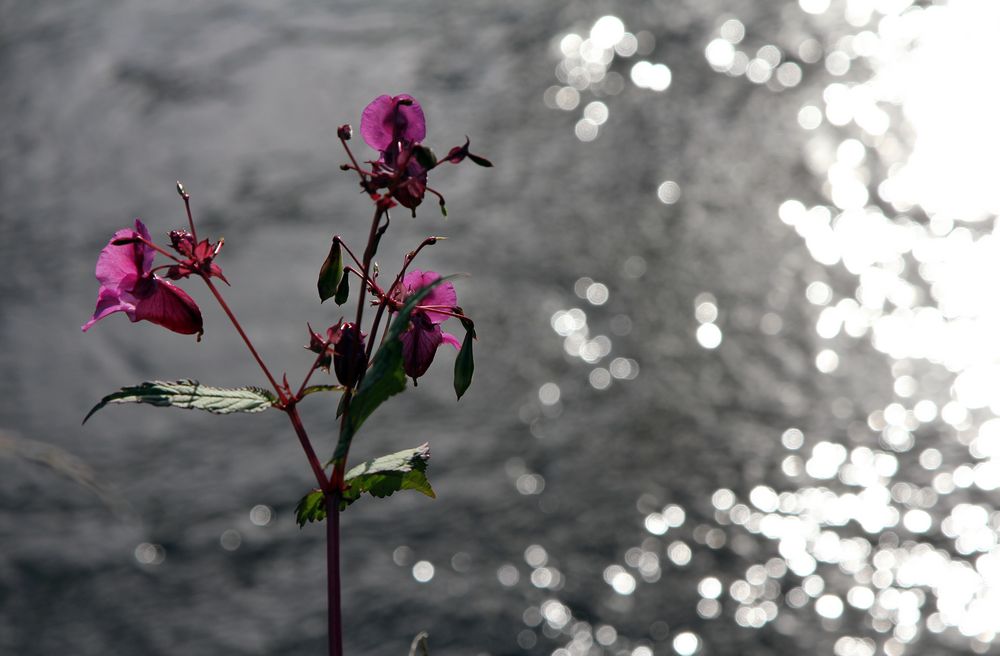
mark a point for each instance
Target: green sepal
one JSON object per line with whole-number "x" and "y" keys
{"x": 465, "y": 364}
{"x": 481, "y": 161}
{"x": 312, "y": 389}
{"x": 331, "y": 272}
{"x": 425, "y": 156}
{"x": 311, "y": 508}
{"x": 404, "y": 470}
{"x": 343, "y": 289}
{"x": 191, "y": 395}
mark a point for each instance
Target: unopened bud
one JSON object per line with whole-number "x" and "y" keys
{"x": 182, "y": 191}
{"x": 344, "y": 132}
{"x": 349, "y": 354}
{"x": 183, "y": 242}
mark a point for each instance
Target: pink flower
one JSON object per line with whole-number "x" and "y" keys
{"x": 389, "y": 120}
{"x": 422, "y": 339}
{"x": 128, "y": 285}
{"x": 395, "y": 127}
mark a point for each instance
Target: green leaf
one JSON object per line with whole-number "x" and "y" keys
{"x": 385, "y": 377}
{"x": 311, "y": 508}
{"x": 312, "y": 389}
{"x": 331, "y": 272}
{"x": 383, "y": 476}
{"x": 464, "y": 363}
{"x": 343, "y": 290}
{"x": 190, "y": 394}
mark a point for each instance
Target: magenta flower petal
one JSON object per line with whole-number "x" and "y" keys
{"x": 376, "y": 130}
{"x": 448, "y": 338}
{"x": 420, "y": 343}
{"x": 169, "y": 306}
{"x": 121, "y": 266}
{"x": 385, "y": 120}
{"x": 443, "y": 296}
{"x": 109, "y": 302}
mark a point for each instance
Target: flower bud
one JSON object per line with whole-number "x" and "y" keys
{"x": 344, "y": 132}
{"x": 319, "y": 346}
{"x": 349, "y": 358}
{"x": 182, "y": 241}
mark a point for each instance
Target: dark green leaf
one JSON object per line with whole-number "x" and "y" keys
{"x": 312, "y": 389}
{"x": 331, "y": 272}
{"x": 383, "y": 476}
{"x": 385, "y": 377}
{"x": 342, "y": 404}
{"x": 311, "y": 508}
{"x": 464, "y": 363}
{"x": 190, "y": 394}
{"x": 343, "y": 289}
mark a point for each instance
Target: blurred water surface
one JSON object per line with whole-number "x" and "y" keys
{"x": 735, "y": 284}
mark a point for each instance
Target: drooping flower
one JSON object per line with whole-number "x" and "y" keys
{"x": 124, "y": 270}
{"x": 395, "y": 127}
{"x": 424, "y": 335}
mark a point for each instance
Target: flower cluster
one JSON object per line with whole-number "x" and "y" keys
{"x": 392, "y": 125}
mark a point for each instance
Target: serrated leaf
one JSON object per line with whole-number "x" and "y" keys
{"x": 381, "y": 477}
{"x": 312, "y": 389}
{"x": 191, "y": 395}
{"x": 385, "y": 377}
{"x": 465, "y": 364}
{"x": 311, "y": 508}
{"x": 343, "y": 290}
{"x": 331, "y": 272}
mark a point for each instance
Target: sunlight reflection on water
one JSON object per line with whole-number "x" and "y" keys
{"x": 905, "y": 146}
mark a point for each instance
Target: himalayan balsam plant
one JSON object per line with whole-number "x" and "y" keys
{"x": 371, "y": 360}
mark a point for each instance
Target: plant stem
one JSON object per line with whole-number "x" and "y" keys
{"x": 367, "y": 262}
{"x": 300, "y": 431}
{"x": 246, "y": 340}
{"x": 333, "y": 572}
{"x": 187, "y": 208}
